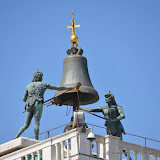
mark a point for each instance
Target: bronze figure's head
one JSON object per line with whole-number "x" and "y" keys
{"x": 37, "y": 76}
{"x": 109, "y": 97}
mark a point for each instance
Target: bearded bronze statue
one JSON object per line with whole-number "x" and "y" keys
{"x": 113, "y": 113}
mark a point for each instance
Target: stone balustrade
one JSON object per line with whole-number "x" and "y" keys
{"x": 74, "y": 145}
{"x": 55, "y": 148}
{"x": 111, "y": 148}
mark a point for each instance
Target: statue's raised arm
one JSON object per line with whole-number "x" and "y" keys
{"x": 58, "y": 88}
{"x": 99, "y": 109}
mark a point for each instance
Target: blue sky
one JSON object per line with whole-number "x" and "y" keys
{"x": 121, "y": 41}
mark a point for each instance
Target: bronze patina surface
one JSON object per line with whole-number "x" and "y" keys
{"x": 33, "y": 98}
{"x": 113, "y": 113}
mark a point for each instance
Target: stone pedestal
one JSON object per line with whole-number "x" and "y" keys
{"x": 112, "y": 147}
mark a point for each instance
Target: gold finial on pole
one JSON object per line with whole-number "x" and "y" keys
{"x": 74, "y": 38}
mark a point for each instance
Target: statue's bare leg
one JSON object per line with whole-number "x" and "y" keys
{"x": 29, "y": 116}
{"x": 37, "y": 116}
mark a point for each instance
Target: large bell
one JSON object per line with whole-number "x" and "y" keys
{"x": 75, "y": 69}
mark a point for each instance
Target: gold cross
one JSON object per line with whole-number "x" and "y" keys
{"x": 73, "y": 25}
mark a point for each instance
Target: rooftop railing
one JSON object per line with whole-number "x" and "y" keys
{"x": 74, "y": 145}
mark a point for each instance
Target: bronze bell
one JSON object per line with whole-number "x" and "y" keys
{"x": 74, "y": 70}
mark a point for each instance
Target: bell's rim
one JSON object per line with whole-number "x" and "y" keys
{"x": 86, "y": 96}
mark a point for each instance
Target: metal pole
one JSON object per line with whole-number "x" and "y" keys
{"x": 145, "y": 141}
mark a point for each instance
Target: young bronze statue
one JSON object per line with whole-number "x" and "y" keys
{"x": 34, "y": 99}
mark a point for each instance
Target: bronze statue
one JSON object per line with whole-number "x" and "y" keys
{"x": 34, "y": 101}
{"x": 113, "y": 113}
